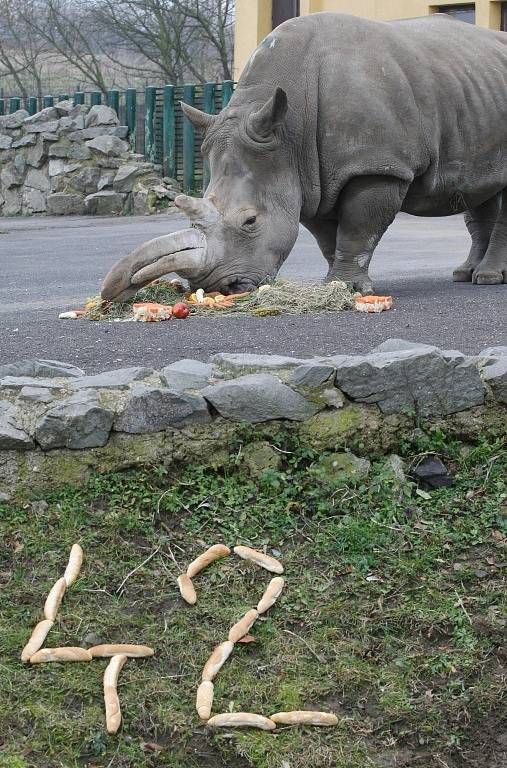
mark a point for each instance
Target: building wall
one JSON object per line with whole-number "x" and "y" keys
{"x": 253, "y": 17}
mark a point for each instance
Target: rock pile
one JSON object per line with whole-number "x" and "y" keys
{"x": 75, "y": 159}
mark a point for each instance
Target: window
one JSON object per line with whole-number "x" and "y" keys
{"x": 283, "y": 10}
{"x": 460, "y": 12}
{"x": 503, "y": 25}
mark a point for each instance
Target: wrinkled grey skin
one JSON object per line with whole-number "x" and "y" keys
{"x": 340, "y": 123}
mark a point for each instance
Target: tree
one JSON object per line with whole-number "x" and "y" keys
{"x": 22, "y": 53}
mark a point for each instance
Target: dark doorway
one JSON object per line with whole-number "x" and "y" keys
{"x": 283, "y": 10}
{"x": 460, "y": 12}
{"x": 503, "y": 25}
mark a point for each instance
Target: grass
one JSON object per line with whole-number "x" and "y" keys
{"x": 394, "y": 616}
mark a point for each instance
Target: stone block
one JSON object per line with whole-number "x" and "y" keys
{"x": 118, "y": 379}
{"x": 5, "y": 141}
{"x": 41, "y": 367}
{"x": 78, "y": 422}
{"x": 37, "y": 179}
{"x": 258, "y": 397}
{"x": 186, "y": 374}
{"x": 61, "y": 204}
{"x": 12, "y": 438}
{"x": 14, "y": 120}
{"x": 24, "y": 141}
{"x": 13, "y": 202}
{"x": 110, "y": 146}
{"x": 34, "y": 201}
{"x": 46, "y": 115}
{"x": 70, "y": 150}
{"x": 57, "y": 166}
{"x": 104, "y": 203}
{"x": 100, "y": 114}
{"x": 35, "y": 395}
{"x": 153, "y": 409}
{"x": 496, "y": 376}
{"x": 50, "y": 126}
{"x": 311, "y": 375}
{"x": 245, "y": 363}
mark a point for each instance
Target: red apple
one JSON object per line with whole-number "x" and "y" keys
{"x": 180, "y": 310}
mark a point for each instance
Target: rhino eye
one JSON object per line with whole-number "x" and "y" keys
{"x": 250, "y": 221}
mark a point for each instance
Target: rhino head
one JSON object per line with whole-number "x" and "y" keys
{"x": 247, "y": 222}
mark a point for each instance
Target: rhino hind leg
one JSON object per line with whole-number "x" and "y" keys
{"x": 367, "y": 207}
{"x": 492, "y": 270}
{"x": 324, "y": 231}
{"x": 480, "y": 223}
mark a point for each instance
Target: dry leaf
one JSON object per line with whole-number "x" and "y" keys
{"x": 248, "y": 639}
{"x": 151, "y": 746}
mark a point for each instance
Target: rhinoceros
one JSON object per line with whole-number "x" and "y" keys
{"x": 339, "y": 123}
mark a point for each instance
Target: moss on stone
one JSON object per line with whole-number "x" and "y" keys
{"x": 260, "y": 456}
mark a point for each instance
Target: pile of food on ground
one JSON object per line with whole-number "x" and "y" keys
{"x": 168, "y": 299}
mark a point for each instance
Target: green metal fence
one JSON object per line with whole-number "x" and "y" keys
{"x": 157, "y": 127}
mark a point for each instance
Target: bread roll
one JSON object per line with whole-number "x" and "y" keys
{"x": 267, "y": 562}
{"x": 111, "y": 700}
{"x": 74, "y": 565}
{"x": 204, "y": 699}
{"x": 241, "y": 720}
{"x": 243, "y": 626}
{"x": 37, "y": 638}
{"x": 211, "y": 554}
{"x": 304, "y": 718}
{"x": 187, "y": 589}
{"x": 271, "y": 594}
{"x": 60, "y": 654}
{"x": 124, "y": 649}
{"x": 217, "y": 660}
{"x": 54, "y": 599}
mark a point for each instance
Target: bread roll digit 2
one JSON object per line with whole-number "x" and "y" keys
{"x": 217, "y": 660}
{"x": 299, "y": 717}
{"x": 241, "y": 720}
{"x": 125, "y": 649}
{"x": 204, "y": 699}
{"x": 265, "y": 561}
{"x": 243, "y": 626}
{"x": 187, "y": 589}
{"x": 211, "y": 554}
{"x": 74, "y": 565}
{"x": 60, "y": 654}
{"x": 54, "y": 599}
{"x": 37, "y": 638}
{"x": 271, "y": 594}
{"x": 111, "y": 700}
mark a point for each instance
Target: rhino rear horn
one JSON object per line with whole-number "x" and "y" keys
{"x": 200, "y": 120}
{"x": 262, "y": 123}
{"x": 200, "y": 210}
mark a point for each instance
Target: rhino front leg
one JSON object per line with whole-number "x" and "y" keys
{"x": 492, "y": 270}
{"x": 480, "y": 223}
{"x": 367, "y": 207}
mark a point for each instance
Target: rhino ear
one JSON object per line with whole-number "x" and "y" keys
{"x": 200, "y": 120}
{"x": 263, "y": 122}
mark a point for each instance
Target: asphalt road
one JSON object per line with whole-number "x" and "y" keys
{"x": 51, "y": 264}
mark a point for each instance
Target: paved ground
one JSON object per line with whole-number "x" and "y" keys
{"x": 51, "y": 264}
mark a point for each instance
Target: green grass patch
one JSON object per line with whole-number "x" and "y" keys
{"x": 394, "y": 615}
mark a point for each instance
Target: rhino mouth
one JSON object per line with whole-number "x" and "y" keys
{"x": 182, "y": 252}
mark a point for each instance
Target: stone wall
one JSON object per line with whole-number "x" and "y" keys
{"x": 57, "y": 424}
{"x": 75, "y": 159}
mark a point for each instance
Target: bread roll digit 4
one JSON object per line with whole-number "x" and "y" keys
{"x": 271, "y": 594}
{"x": 111, "y": 700}
{"x": 187, "y": 589}
{"x": 204, "y": 699}
{"x": 54, "y": 599}
{"x": 299, "y": 717}
{"x": 37, "y": 638}
{"x": 243, "y": 626}
{"x": 217, "y": 660}
{"x": 241, "y": 720}
{"x": 265, "y": 561}
{"x": 74, "y": 565}
{"x": 211, "y": 554}
{"x": 125, "y": 649}
{"x": 60, "y": 654}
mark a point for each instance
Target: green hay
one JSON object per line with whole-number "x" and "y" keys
{"x": 280, "y": 297}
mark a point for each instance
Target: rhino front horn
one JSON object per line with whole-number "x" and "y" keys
{"x": 182, "y": 252}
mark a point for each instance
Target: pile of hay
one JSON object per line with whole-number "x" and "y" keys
{"x": 280, "y": 297}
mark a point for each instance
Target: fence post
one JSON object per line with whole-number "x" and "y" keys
{"x": 188, "y": 142}
{"x": 31, "y": 105}
{"x": 63, "y": 97}
{"x": 2, "y": 106}
{"x": 209, "y": 106}
{"x": 14, "y": 104}
{"x": 96, "y": 98}
{"x": 150, "y": 100}
{"x": 47, "y": 101}
{"x": 79, "y": 97}
{"x": 113, "y": 100}
{"x": 227, "y": 91}
{"x": 169, "y": 132}
{"x": 130, "y": 115}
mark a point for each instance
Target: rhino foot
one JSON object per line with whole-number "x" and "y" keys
{"x": 489, "y": 277}
{"x": 462, "y": 275}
